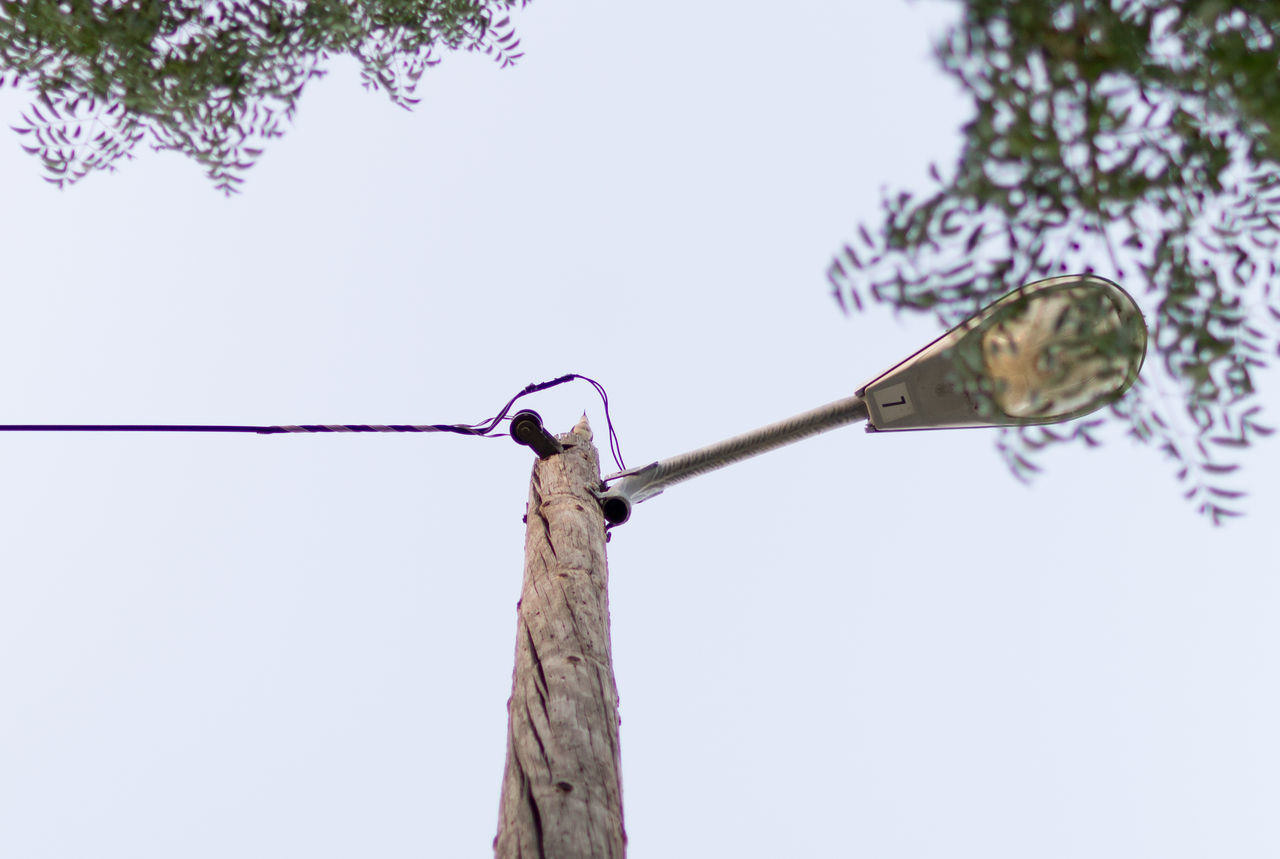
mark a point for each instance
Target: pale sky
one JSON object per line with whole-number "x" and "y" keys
{"x": 867, "y": 646}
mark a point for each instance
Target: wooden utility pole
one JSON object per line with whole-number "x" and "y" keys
{"x": 562, "y": 789}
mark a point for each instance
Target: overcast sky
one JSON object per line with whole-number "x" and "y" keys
{"x": 879, "y": 646}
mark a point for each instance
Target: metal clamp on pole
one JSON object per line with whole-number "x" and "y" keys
{"x": 526, "y": 428}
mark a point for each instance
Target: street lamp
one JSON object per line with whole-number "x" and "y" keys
{"x": 1050, "y": 351}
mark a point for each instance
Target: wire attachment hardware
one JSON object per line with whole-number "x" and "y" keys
{"x": 527, "y": 429}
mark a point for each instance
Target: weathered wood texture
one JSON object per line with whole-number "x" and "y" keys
{"x": 562, "y": 789}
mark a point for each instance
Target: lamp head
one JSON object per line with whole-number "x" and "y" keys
{"x": 1050, "y": 351}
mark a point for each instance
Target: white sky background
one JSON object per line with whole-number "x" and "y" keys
{"x": 267, "y": 646}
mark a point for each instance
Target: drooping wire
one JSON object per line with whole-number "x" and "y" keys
{"x": 488, "y": 428}
{"x": 484, "y": 429}
{"x": 615, "y": 449}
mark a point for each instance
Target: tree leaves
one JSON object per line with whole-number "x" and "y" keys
{"x": 1128, "y": 137}
{"x": 213, "y": 81}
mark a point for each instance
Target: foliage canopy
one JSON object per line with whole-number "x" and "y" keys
{"x": 1139, "y": 139}
{"x": 213, "y": 80}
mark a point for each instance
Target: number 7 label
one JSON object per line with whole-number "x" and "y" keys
{"x": 894, "y": 402}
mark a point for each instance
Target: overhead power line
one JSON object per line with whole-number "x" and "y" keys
{"x": 484, "y": 429}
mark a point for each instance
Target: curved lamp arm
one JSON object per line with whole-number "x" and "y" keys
{"x": 636, "y": 484}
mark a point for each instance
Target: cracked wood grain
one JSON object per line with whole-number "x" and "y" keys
{"x": 562, "y": 788}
